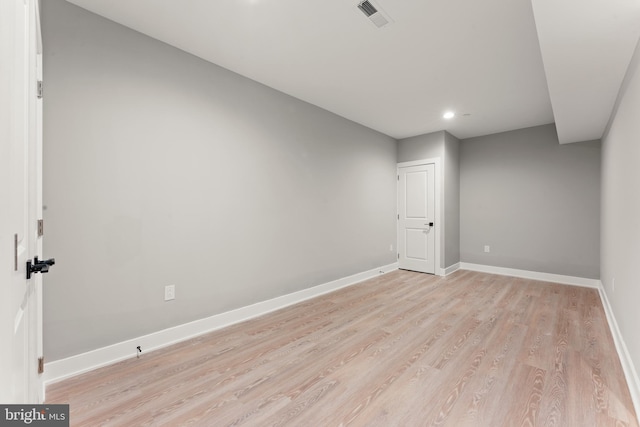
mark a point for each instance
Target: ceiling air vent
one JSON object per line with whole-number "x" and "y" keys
{"x": 367, "y": 8}
{"x": 374, "y": 13}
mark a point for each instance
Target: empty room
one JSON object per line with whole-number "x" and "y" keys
{"x": 365, "y": 213}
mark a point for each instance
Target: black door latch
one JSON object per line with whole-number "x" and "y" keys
{"x": 39, "y": 266}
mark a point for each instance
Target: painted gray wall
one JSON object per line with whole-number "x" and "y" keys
{"x": 620, "y": 226}
{"x": 444, "y": 146}
{"x": 535, "y": 202}
{"x": 427, "y": 146}
{"x": 161, "y": 168}
{"x": 451, "y": 199}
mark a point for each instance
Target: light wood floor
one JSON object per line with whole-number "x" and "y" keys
{"x": 404, "y": 349}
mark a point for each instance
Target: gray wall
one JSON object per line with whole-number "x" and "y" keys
{"x": 534, "y": 202}
{"x": 451, "y": 199}
{"x": 427, "y": 146}
{"x": 161, "y": 169}
{"x": 620, "y": 253}
{"x": 446, "y": 147}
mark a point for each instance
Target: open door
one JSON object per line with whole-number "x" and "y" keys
{"x": 21, "y": 195}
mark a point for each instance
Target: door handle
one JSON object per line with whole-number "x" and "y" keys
{"x": 39, "y": 266}
{"x": 430, "y": 224}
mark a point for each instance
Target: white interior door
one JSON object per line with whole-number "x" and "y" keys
{"x": 20, "y": 191}
{"x": 416, "y": 218}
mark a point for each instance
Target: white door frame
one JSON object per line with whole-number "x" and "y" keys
{"x": 36, "y": 124}
{"x": 439, "y": 219}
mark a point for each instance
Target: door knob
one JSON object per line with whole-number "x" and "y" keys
{"x": 39, "y": 266}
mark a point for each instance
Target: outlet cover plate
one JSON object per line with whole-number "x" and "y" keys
{"x": 169, "y": 292}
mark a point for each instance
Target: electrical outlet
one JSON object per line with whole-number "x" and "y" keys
{"x": 390, "y": 248}
{"x": 169, "y": 292}
{"x": 487, "y": 248}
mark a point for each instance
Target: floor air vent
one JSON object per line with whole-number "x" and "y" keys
{"x": 373, "y": 13}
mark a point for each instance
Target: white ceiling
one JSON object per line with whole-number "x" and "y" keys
{"x": 479, "y": 58}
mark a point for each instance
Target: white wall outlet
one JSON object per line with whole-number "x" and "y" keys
{"x": 487, "y": 248}
{"x": 169, "y": 292}
{"x": 390, "y": 248}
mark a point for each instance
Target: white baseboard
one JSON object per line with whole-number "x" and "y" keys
{"x": 535, "y": 275}
{"x": 452, "y": 269}
{"x": 630, "y": 373}
{"x": 81, "y": 363}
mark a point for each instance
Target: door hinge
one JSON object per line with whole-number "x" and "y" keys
{"x": 398, "y": 177}
{"x": 39, "y": 89}
{"x": 40, "y": 227}
{"x": 398, "y": 255}
{"x": 40, "y": 365}
{"x": 15, "y": 252}
{"x": 398, "y": 216}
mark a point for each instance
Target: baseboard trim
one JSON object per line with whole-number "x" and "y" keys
{"x": 452, "y": 269}
{"x": 59, "y": 370}
{"x": 630, "y": 372}
{"x": 535, "y": 275}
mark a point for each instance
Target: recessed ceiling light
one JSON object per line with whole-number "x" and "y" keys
{"x": 449, "y": 115}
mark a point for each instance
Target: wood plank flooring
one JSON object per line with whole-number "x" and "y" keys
{"x": 403, "y": 349}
